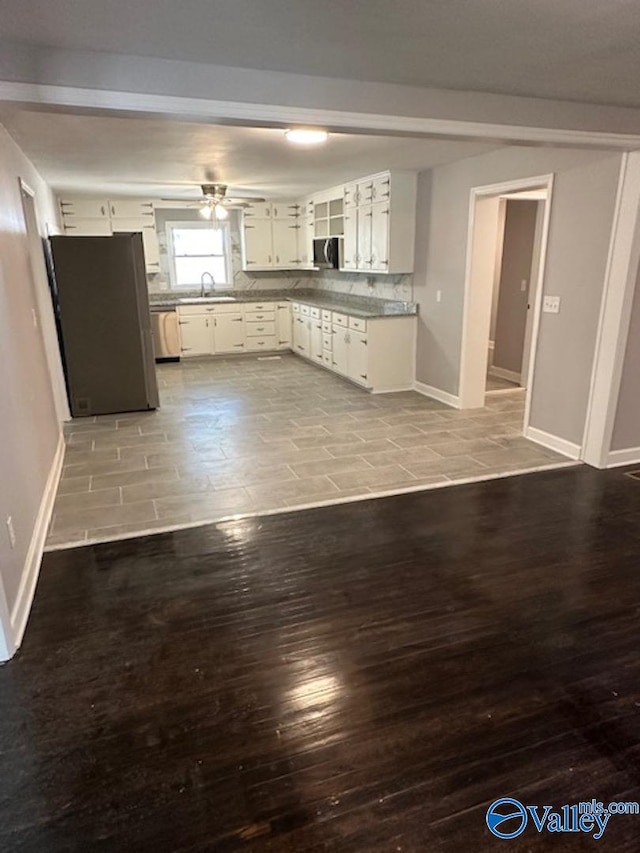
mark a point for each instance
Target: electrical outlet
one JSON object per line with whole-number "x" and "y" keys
{"x": 34, "y": 317}
{"x": 11, "y": 532}
{"x": 551, "y": 305}
{"x": 438, "y": 296}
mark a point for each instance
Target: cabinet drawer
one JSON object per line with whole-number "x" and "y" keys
{"x": 340, "y": 319}
{"x": 260, "y": 316}
{"x": 326, "y": 326}
{"x": 327, "y": 342}
{"x": 260, "y": 330}
{"x": 326, "y": 315}
{"x": 259, "y": 306}
{"x": 305, "y": 310}
{"x": 264, "y": 343}
{"x": 327, "y": 358}
{"x": 315, "y": 313}
{"x": 295, "y": 307}
{"x": 357, "y": 324}
{"x": 187, "y": 310}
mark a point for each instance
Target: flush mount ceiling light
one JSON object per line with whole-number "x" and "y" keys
{"x": 306, "y": 136}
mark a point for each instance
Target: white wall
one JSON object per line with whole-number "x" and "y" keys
{"x": 584, "y": 194}
{"x": 29, "y": 425}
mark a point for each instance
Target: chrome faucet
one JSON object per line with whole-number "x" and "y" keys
{"x": 202, "y": 278}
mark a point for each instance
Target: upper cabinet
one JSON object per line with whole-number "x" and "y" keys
{"x": 380, "y": 223}
{"x": 86, "y": 217}
{"x": 375, "y": 216}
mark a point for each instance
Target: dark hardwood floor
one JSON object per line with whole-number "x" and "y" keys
{"x": 366, "y": 677}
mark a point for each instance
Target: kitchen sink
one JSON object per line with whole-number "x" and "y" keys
{"x": 196, "y": 300}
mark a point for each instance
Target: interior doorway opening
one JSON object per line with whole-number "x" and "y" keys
{"x": 508, "y": 229}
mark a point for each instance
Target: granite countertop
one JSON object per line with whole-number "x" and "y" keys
{"x": 356, "y": 306}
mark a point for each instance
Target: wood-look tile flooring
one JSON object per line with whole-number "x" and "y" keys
{"x": 244, "y": 434}
{"x": 359, "y": 678}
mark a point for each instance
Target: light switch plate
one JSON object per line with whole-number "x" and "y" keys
{"x": 551, "y": 305}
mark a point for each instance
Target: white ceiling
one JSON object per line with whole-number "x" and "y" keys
{"x": 585, "y": 50}
{"x": 150, "y": 157}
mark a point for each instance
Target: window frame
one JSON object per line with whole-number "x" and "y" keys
{"x": 193, "y": 225}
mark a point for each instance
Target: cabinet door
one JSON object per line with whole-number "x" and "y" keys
{"x": 85, "y": 208}
{"x": 260, "y": 210}
{"x": 364, "y": 237}
{"x": 285, "y": 244}
{"x": 305, "y": 241}
{"x": 151, "y": 248}
{"x": 256, "y": 244}
{"x": 341, "y": 350}
{"x": 283, "y": 325}
{"x": 315, "y": 340}
{"x": 125, "y": 208}
{"x": 358, "y": 358}
{"x": 196, "y": 335}
{"x": 285, "y": 210}
{"x": 350, "y": 257}
{"x": 228, "y": 333}
{"x": 350, "y": 196}
{"x": 381, "y": 189}
{"x": 301, "y": 335}
{"x": 87, "y": 227}
{"x": 365, "y": 192}
{"x": 380, "y": 237}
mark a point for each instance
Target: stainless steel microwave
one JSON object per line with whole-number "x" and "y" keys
{"x": 327, "y": 253}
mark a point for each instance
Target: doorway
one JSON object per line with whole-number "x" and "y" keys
{"x": 508, "y": 228}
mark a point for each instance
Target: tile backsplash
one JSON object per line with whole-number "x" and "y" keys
{"x": 397, "y": 287}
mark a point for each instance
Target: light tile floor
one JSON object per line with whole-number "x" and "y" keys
{"x": 245, "y": 434}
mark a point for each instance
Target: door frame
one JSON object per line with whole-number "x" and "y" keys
{"x": 478, "y": 295}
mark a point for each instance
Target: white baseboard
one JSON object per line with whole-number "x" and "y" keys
{"x": 392, "y": 390}
{"x": 31, "y": 570}
{"x": 437, "y": 394}
{"x": 628, "y": 456}
{"x": 553, "y": 442}
{"x": 503, "y": 373}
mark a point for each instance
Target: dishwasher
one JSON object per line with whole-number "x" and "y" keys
{"x": 166, "y": 337}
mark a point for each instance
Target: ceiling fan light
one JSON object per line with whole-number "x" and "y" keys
{"x": 306, "y": 136}
{"x": 205, "y": 212}
{"x": 221, "y": 211}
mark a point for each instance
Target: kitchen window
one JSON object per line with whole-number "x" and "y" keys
{"x": 198, "y": 248}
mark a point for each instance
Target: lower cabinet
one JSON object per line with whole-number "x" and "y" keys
{"x": 283, "y": 326}
{"x": 196, "y": 334}
{"x": 350, "y": 354}
{"x": 228, "y": 333}
{"x": 301, "y": 337}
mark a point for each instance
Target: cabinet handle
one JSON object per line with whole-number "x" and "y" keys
{"x": 113, "y": 210}
{"x": 102, "y": 210}
{"x": 260, "y": 329}
{"x": 183, "y": 322}
{"x": 238, "y": 345}
{"x": 237, "y": 320}
{"x": 247, "y": 227}
{"x": 363, "y": 375}
{"x": 185, "y": 349}
{"x": 269, "y": 256}
{"x": 277, "y": 259}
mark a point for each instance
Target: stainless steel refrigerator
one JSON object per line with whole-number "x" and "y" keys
{"x": 101, "y": 302}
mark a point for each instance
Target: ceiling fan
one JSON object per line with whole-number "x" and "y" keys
{"x": 216, "y": 203}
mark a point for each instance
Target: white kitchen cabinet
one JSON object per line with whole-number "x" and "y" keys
{"x": 365, "y": 215}
{"x": 257, "y": 250}
{"x": 283, "y": 325}
{"x": 128, "y": 208}
{"x": 340, "y": 350}
{"x": 301, "y": 337}
{"x": 350, "y": 246}
{"x": 380, "y": 237}
{"x": 258, "y": 210}
{"x": 84, "y": 208}
{"x": 196, "y": 334}
{"x": 305, "y": 241}
{"x": 285, "y": 243}
{"x": 87, "y": 227}
{"x": 385, "y": 231}
{"x": 358, "y": 357}
{"x": 286, "y": 210}
{"x": 315, "y": 339}
{"x": 229, "y": 333}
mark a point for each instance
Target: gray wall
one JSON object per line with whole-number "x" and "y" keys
{"x": 29, "y": 428}
{"x": 626, "y": 429}
{"x": 584, "y": 196}
{"x": 511, "y": 311}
